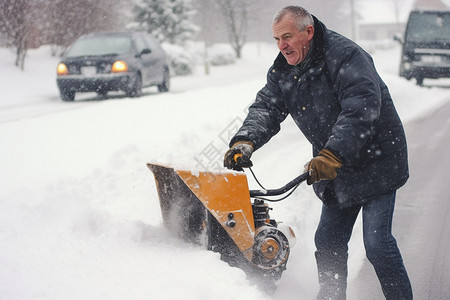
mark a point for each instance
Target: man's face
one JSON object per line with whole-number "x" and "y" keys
{"x": 294, "y": 44}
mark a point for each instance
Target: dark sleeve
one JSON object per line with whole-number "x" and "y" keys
{"x": 358, "y": 88}
{"x": 265, "y": 114}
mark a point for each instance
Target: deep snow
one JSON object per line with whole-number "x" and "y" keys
{"x": 79, "y": 212}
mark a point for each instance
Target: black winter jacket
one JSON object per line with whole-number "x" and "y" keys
{"x": 339, "y": 103}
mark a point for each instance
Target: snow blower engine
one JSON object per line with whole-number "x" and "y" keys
{"x": 217, "y": 210}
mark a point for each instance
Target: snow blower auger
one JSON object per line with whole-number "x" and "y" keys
{"x": 215, "y": 209}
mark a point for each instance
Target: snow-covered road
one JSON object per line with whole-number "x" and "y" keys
{"x": 422, "y": 217}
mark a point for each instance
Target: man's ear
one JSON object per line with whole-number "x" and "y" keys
{"x": 310, "y": 32}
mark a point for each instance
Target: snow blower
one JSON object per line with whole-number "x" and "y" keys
{"x": 217, "y": 210}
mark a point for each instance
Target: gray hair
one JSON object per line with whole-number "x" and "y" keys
{"x": 302, "y": 17}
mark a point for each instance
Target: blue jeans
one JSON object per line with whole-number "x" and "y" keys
{"x": 332, "y": 237}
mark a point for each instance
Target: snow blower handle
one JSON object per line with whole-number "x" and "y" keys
{"x": 275, "y": 192}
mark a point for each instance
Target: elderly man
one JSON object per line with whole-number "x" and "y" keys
{"x": 330, "y": 87}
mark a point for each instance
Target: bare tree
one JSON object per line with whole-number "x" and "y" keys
{"x": 236, "y": 13}
{"x": 71, "y": 19}
{"x": 27, "y": 24}
{"x": 14, "y": 22}
{"x": 206, "y": 19}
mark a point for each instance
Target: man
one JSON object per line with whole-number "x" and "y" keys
{"x": 331, "y": 89}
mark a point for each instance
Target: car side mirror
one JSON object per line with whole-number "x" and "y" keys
{"x": 144, "y": 51}
{"x": 398, "y": 38}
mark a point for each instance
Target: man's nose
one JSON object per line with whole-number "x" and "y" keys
{"x": 282, "y": 45}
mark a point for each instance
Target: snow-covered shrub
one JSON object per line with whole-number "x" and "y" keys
{"x": 184, "y": 58}
{"x": 181, "y": 62}
{"x": 221, "y": 54}
{"x": 169, "y": 21}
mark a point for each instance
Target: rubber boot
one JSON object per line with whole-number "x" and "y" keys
{"x": 332, "y": 269}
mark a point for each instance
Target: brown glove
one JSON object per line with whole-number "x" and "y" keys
{"x": 238, "y": 156}
{"x": 323, "y": 167}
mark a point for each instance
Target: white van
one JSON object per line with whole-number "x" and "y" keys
{"x": 426, "y": 45}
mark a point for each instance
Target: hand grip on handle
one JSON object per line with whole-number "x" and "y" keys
{"x": 237, "y": 156}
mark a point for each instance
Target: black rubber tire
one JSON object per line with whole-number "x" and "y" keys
{"x": 135, "y": 87}
{"x": 67, "y": 95}
{"x": 165, "y": 85}
{"x": 102, "y": 94}
{"x": 419, "y": 81}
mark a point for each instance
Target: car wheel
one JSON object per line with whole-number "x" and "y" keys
{"x": 102, "y": 94}
{"x": 419, "y": 81}
{"x": 134, "y": 88}
{"x": 67, "y": 95}
{"x": 165, "y": 85}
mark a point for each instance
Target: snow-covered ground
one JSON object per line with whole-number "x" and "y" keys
{"x": 79, "y": 212}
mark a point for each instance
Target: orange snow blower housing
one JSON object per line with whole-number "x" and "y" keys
{"x": 215, "y": 209}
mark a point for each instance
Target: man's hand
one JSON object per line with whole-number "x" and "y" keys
{"x": 238, "y": 156}
{"x": 323, "y": 167}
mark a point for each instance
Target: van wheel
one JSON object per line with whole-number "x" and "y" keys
{"x": 67, "y": 95}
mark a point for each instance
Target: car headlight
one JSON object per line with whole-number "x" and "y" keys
{"x": 119, "y": 66}
{"x": 62, "y": 69}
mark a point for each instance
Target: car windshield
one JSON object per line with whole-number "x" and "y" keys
{"x": 428, "y": 27}
{"x": 100, "y": 45}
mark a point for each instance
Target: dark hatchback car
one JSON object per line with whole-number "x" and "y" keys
{"x": 113, "y": 61}
{"x": 426, "y": 45}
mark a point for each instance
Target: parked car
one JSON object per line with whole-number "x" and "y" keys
{"x": 113, "y": 61}
{"x": 426, "y": 45}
